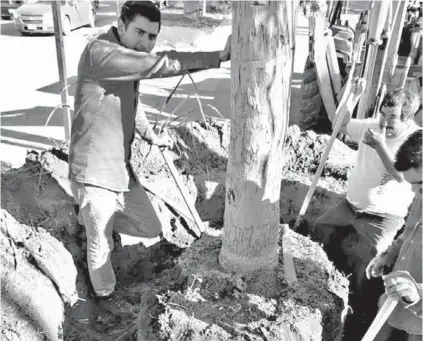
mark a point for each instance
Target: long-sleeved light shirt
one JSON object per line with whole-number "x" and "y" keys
{"x": 407, "y": 251}
{"x": 106, "y": 104}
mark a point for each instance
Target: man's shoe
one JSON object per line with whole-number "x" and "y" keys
{"x": 116, "y": 305}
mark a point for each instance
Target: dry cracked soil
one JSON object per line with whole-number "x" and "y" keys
{"x": 177, "y": 284}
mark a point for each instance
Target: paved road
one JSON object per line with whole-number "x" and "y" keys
{"x": 30, "y": 89}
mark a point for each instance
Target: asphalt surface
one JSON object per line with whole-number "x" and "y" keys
{"x": 31, "y": 91}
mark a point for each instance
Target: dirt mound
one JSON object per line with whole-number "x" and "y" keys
{"x": 44, "y": 247}
{"x": 31, "y": 305}
{"x": 201, "y": 155}
{"x": 211, "y": 304}
{"x": 38, "y": 196}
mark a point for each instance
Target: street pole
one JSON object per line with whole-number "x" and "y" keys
{"x": 61, "y": 62}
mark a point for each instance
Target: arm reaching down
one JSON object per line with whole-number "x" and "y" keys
{"x": 385, "y": 259}
{"x": 148, "y": 134}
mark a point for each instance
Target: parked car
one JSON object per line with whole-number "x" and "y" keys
{"x": 158, "y": 3}
{"x": 37, "y": 16}
{"x": 8, "y": 7}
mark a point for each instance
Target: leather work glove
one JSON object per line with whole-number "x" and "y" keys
{"x": 376, "y": 266}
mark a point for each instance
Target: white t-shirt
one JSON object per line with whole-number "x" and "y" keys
{"x": 370, "y": 186}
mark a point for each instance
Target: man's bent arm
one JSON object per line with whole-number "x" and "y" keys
{"x": 111, "y": 62}
{"x": 388, "y": 161}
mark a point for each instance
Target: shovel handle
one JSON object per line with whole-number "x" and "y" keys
{"x": 377, "y": 20}
{"x": 381, "y": 317}
{"x": 175, "y": 174}
{"x": 181, "y": 187}
{"x": 339, "y": 119}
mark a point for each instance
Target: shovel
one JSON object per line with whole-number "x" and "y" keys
{"x": 381, "y": 317}
{"x": 175, "y": 174}
{"x": 182, "y": 189}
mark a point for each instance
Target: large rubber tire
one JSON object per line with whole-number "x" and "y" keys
{"x": 312, "y": 111}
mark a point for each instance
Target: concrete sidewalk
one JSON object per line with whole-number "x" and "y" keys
{"x": 214, "y": 88}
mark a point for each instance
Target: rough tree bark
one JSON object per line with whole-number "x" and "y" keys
{"x": 261, "y": 75}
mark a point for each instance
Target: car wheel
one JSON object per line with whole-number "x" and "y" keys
{"x": 25, "y": 34}
{"x": 91, "y": 19}
{"x": 5, "y": 17}
{"x": 66, "y": 26}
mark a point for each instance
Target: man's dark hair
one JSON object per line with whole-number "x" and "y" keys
{"x": 409, "y": 155}
{"x": 147, "y": 9}
{"x": 403, "y": 98}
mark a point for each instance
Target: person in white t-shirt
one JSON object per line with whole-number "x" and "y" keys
{"x": 365, "y": 223}
{"x": 377, "y": 197}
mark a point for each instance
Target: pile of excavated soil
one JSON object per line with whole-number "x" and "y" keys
{"x": 37, "y": 197}
{"x": 201, "y": 155}
{"x": 211, "y": 304}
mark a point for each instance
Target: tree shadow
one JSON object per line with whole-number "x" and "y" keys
{"x": 22, "y": 139}
{"x": 15, "y": 122}
{"x": 56, "y": 88}
{"x": 32, "y": 117}
{"x": 213, "y": 92}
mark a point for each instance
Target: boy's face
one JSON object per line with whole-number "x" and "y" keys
{"x": 391, "y": 118}
{"x": 414, "y": 177}
{"x": 140, "y": 35}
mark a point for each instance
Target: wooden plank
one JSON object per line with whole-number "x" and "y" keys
{"x": 381, "y": 63}
{"x": 400, "y": 8}
{"x": 335, "y": 74}
{"x": 61, "y": 63}
{"x": 323, "y": 76}
{"x": 381, "y": 317}
{"x": 378, "y": 17}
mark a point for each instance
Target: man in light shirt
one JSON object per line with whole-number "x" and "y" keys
{"x": 377, "y": 197}
{"x": 405, "y": 281}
